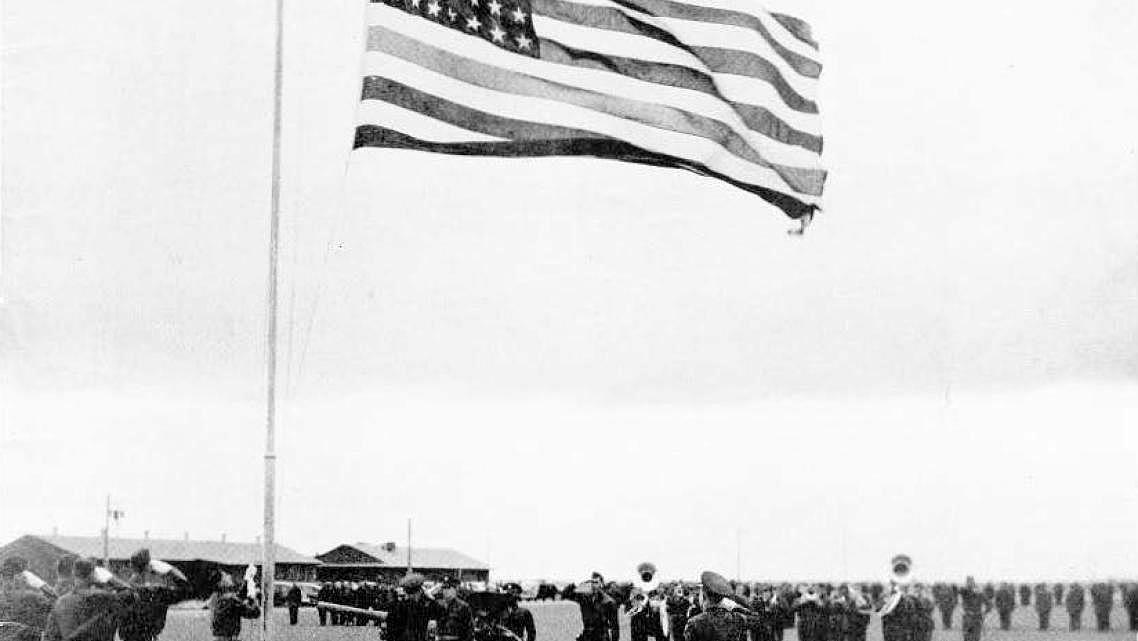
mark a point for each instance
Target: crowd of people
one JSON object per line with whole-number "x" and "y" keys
{"x": 88, "y": 603}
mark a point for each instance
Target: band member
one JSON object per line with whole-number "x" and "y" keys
{"x": 1102, "y": 598}
{"x": 649, "y": 616}
{"x": 408, "y": 618}
{"x": 975, "y": 606}
{"x": 677, "y": 605}
{"x": 810, "y": 612}
{"x": 1076, "y": 601}
{"x": 90, "y": 612}
{"x": 1005, "y": 600}
{"x": 1043, "y": 605}
{"x": 723, "y": 617}
{"x": 227, "y": 609}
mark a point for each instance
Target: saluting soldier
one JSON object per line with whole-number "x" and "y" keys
{"x": 89, "y": 612}
{"x": 158, "y": 585}
{"x": 1076, "y": 603}
{"x": 595, "y": 603}
{"x": 23, "y": 609}
{"x": 519, "y": 620}
{"x": 722, "y": 618}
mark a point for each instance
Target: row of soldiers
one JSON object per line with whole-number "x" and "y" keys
{"x": 1045, "y": 597}
{"x": 365, "y": 595}
{"x": 89, "y": 603}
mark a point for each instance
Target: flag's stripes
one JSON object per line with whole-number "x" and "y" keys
{"x": 803, "y": 64}
{"x": 423, "y": 126}
{"x": 380, "y": 94}
{"x": 688, "y": 37}
{"x": 689, "y": 148}
{"x": 376, "y": 136}
{"x": 796, "y": 28}
{"x": 540, "y": 77}
{"x": 733, "y": 86}
{"x": 757, "y": 118}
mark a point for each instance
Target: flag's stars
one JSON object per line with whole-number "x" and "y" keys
{"x": 433, "y": 8}
{"x": 518, "y": 15}
{"x": 473, "y": 23}
{"x": 497, "y": 34}
{"x": 524, "y": 42}
{"x": 451, "y": 14}
{"x": 416, "y": 3}
{"x": 495, "y": 8}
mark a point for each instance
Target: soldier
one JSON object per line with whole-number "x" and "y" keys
{"x": 322, "y": 596}
{"x": 1130, "y": 600}
{"x": 408, "y": 618}
{"x": 88, "y": 612}
{"x": 858, "y": 624}
{"x": 519, "y": 620}
{"x": 158, "y": 585}
{"x": 1102, "y": 598}
{"x": 227, "y": 609}
{"x": 677, "y": 605}
{"x": 23, "y": 609}
{"x": 647, "y": 619}
{"x": 594, "y": 603}
{"x": 1043, "y": 605}
{"x": 1005, "y": 599}
{"x": 1076, "y": 602}
{"x": 810, "y": 613}
{"x": 1058, "y": 591}
{"x": 975, "y": 606}
{"x": 1024, "y": 594}
{"x": 292, "y": 599}
{"x": 923, "y": 625}
{"x": 722, "y": 618}
{"x": 945, "y": 597}
{"x": 457, "y": 622}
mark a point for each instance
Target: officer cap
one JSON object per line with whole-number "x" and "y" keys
{"x": 646, "y": 568}
{"x": 715, "y": 585}
{"x": 411, "y": 582}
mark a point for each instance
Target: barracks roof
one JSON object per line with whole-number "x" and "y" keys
{"x": 368, "y": 554}
{"x": 220, "y": 552}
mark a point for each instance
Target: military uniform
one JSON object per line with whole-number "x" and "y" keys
{"x": 974, "y": 605}
{"x": 717, "y": 622}
{"x": 456, "y": 622}
{"x": 595, "y": 605}
{"x": 226, "y": 611}
{"x": 1130, "y": 601}
{"x": 1005, "y": 604}
{"x": 519, "y": 620}
{"x": 1043, "y": 606}
{"x": 145, "y": 619}
{"x": 87, "y": 614}
{"x": 23, "y": 613}
{"x": 293, "y": 599}
{"x": 1076, "y": 601}
{"x": 1102, "y": 598}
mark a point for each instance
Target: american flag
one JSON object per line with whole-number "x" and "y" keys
{"x": 723, "y": 88}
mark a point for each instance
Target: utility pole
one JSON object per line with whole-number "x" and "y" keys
{"x": 408, "y": 545}
{"x": 108, "y": 515}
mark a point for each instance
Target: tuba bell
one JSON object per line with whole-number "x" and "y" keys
{"x": 902, "y": 567}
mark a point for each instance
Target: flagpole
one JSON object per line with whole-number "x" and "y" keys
{"x": 268, "y": 567}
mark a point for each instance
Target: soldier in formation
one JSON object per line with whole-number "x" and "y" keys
{"x": 1005, "y": 601}
{"x": 722, "y": 617}
{"x": 1130, "y": 602}
{"x": 1024, "y": 594}
{"x": 595, "y": 604}
{"x": 517, "y": 619}
{"x": 1043, "y": 605}
{"x": 1102, "y": 599}
{"x": 227, "y": 608}
{"x": 1076, "y": 602}
{"x": 975, "y": 605}
{"x": 945, "y": 596}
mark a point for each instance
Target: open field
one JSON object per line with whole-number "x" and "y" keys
{"x": 559, "y": 621}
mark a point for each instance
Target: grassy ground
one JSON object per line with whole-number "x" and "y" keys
{"x": 561, "y": 622}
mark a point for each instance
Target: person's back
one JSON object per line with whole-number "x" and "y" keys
{"x": 226, "y": 613}
{"x": 88, "y": 613}
{"x": 24, "y": 606}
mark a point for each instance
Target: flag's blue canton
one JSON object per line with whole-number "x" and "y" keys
{"x": 505, "y": 23}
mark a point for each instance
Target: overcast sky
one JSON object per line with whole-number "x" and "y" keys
{"x": 562, "y": 365}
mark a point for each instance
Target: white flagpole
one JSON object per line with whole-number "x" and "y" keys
{"x": 268, "y": 567}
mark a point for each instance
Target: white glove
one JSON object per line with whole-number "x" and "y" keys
{"x": 728, "y": 604}
{"x": 32, "y": 580}
{"x": 102, "y": 575}
{"x": 160, "y": 567}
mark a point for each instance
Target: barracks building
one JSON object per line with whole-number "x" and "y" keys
{"x": 387, "y": 563}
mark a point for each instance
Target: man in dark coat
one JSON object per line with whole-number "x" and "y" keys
{"x": 945, "y": 597}
{"x": 23, "y": 609}
{"x": 1024, "y": 594}
{"x": 1005, "y": 600}
{"x": 1058, "y": 591}
{"x": 293, "y": 599}
{"x": 88, "y": 612}
{"x": 1102, "y": 598}
{"x": 975, "y": 605}
{"x": 594, "y": 603}
{"x": 158, "y": 586}
{"x": 227, "y": 609}
{"x": 457, "y": 622}
{"x": 1043, "y": 605}
{"x": 722, "y": 618}
{"x": 1076, "y": 602}
{"x": 519, "y": 620}
{"x": 1130, "y": 601}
